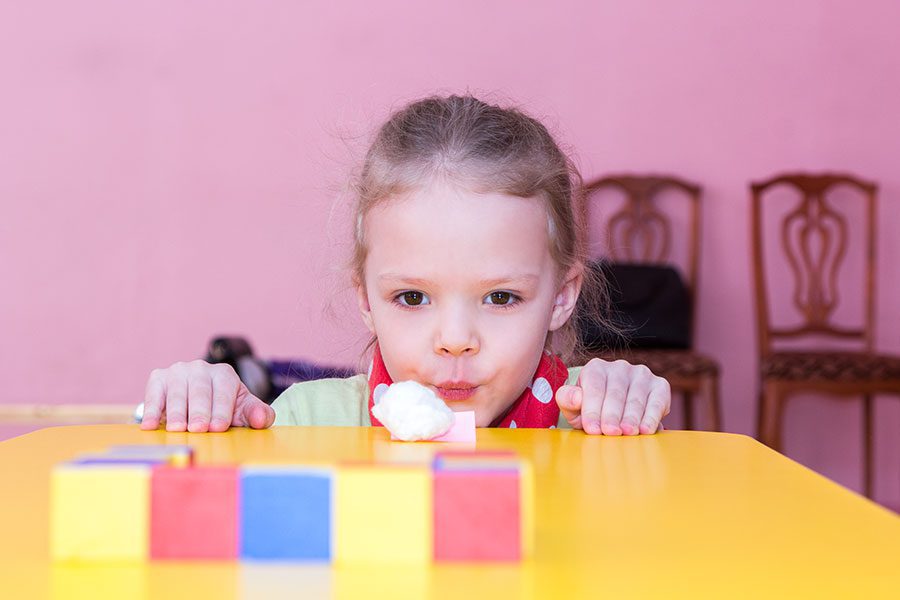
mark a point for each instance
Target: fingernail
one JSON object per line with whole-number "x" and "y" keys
{"x": 197, "y": 426}
{"x": 610, "y": 429}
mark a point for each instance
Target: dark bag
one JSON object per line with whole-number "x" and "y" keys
{"x": 237, "y": 352}
{"x": 267, "y": 379}
{"x": 649, "y": 303}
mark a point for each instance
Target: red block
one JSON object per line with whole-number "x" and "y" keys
{"x": 194, "y": 513}
{"x": 477, "y": 516}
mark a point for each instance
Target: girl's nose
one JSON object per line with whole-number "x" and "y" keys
{"x": 456, "y": 335}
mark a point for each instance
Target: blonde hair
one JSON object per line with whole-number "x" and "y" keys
{"x": 485, "y": 148}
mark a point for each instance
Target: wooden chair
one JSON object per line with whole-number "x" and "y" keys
{"x": 814, "y": 235}
{"x": 641, "y": 232}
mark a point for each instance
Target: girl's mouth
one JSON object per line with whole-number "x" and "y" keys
{"x": 456, "y": 390}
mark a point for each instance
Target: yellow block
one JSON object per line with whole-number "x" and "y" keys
{"x": 383, "y": 514}
{"x": 99, "y": 512}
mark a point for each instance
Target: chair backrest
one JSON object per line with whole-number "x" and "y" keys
{"x": 814, "y": 235}
{"x": 642, "y": 230}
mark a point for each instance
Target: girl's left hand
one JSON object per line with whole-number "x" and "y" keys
{"x": 615, "y": 398}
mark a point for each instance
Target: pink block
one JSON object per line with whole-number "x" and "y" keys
{"x": 477, "y": 516}
{"x": 194, "y": 512}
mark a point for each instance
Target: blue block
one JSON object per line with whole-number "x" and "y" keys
{"x": 286, "y": 513}
{"x": 101, "y": 459}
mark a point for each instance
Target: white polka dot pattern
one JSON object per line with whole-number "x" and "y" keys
{"x": 542, "y": 390}
{"x": 380, "y": 390}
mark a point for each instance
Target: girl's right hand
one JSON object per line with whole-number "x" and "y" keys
{"x": 198, "y": 396}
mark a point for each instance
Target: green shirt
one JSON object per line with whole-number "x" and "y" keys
{"x": 342, "y": 402}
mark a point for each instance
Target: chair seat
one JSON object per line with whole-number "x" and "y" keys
{"x": 667, "y": 363}
{"x": 830, "y": 366}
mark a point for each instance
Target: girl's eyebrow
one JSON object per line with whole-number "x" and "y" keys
{"x": 515, "y": 281}
{"x": 394, "y": 278}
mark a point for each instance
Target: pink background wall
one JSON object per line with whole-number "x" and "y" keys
{"x": 167, "y": 173}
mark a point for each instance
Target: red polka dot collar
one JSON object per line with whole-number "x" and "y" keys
{"x": 535, "y": 408}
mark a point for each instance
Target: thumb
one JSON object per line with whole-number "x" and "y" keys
{"x": 568, "y": 397}
{"x": 252, "y": 412}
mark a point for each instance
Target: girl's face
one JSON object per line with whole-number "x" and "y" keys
{"x": 460, "y": 289}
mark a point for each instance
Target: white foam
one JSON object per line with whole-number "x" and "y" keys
{"x": 413, "y": 412}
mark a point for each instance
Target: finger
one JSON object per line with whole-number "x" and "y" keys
{"x": 568, "y": 397}
{"x": 592, "y": 381}
{"x": 225, "y": 390}
{"x": 636, "y": 399}
{"x": 252, "y": 412}
{"x": 658, "y": 405}
{"x": 261, "y": 416}
{"x": 614, "y": 399}
{"x": 154, "y": 400}
{"x": 199, "y": 399}
{"x": 176, "y": 401}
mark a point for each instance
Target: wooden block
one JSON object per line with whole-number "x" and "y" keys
{"x": 477, "y": 515}
{"x": 477, "y": 461}
{"x": 383, "y": 514}
{"x": 194, "y": 513}
{"x": 99, "y": 512}
{"x": 108, "y": 459}
{"x": 177, "y": 455}
{"x": 451, "y": 542}
{"x": 286, "y": 513}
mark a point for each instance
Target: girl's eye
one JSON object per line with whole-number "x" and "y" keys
{"x": 501, "y": 298}
{"x": 412, "y": 298}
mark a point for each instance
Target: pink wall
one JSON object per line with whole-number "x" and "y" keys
{"x": 169, "y": 173}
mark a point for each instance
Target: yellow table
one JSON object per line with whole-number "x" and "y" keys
{"x": 676, "y": 514}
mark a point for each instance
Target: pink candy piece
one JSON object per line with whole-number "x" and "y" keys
{"x": 463, "y": 429}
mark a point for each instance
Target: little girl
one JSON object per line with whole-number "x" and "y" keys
{"x": 469, "y": 258}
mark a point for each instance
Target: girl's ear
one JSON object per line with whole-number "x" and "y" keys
{"x": 566, "y": 297}
{"x": 362, "y": 299}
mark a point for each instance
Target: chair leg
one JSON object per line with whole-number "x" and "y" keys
{"x": 868, "y": 443}
{"x": 711, "y": 392}
{"x": 759, "y": 414}
{"x": 687, "y": 399}
{"x": 771, "y": 407}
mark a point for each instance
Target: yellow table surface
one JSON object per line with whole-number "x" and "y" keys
{"x": 675, "y": 514}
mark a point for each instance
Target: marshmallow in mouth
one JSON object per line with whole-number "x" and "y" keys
{"x": 412, "y": 412}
